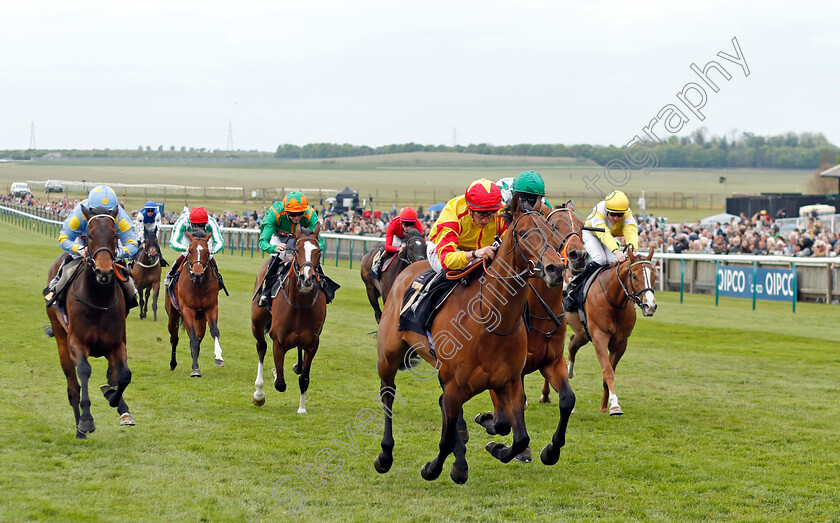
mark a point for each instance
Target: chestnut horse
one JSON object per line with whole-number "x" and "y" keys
{"x": 196, "y": 294}
{"x": 611, "y": 316}
{"x": 547, "y": 334}
{"x": 296, "y": 318}
{"x": 479, "y": 343}
{"x": 95, "y": 306}
{"x": 146, "y": 274}
{"x": 414, "y": 250}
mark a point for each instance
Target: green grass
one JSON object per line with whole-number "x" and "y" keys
{"x": 730, "y": 414}
{"x": 425, "y": 178}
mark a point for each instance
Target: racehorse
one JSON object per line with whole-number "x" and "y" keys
{"x": 610, "y": 317}
{"x": 546, "y": 327}
{"x": 479, "y": 343}
{"x": 415, "y": 250}
{"x": 296, "y": 318}
{"x": 95, "y": 306}
{"x": 196, "y": 302}
{"x": 146, "y": 274}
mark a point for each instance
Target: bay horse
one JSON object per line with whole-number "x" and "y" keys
{"x": 479, "y": 343}
{"x": 96, "y": 308}
{"x": 196, "y": 302}
{"x": 415, "y": 250}
{"x": 296, "y": 318}
{"x": 146, "y": 273}
{"x": 546, "y": 328}
{"x": 611, "y": 316}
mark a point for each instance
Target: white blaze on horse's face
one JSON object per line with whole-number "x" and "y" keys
{"x": 308, "y": 249}
{"x": 648, "y": 300}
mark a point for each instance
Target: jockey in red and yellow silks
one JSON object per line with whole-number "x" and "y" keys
{"x": 467, "y": 226}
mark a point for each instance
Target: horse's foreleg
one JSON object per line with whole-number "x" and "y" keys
{"x": 174, "y": 324}
{"x": 545, "y": 392}
{"x": 303, "y": 380}
{"x": 143, "y": 301}
{"x": 451, "y": 406}
{"x": 578, "y": 340}
{"x": 616, "y": 352}
{"x": 609, "y": 400}
{"x": 387, "y": 369}
{"x": 155, "y": 292}
{"x": 495, "y": 422}
{"x": 512, "y": 401}
{"x": 258, "y": 330}
{"x": 86, "y": 419}
{"x": 73, "y": 388}
{"x": 279, "y": 373}
{"x": 119, "y": 376}
{"x": 213, "y": 317}
{"x": 557, "y": 374}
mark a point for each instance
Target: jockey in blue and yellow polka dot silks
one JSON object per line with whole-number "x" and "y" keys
{"x": 100, "y": 200}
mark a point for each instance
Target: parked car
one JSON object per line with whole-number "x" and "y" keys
{"x": 19, "y": 189}
{"x": 53, "y": 186}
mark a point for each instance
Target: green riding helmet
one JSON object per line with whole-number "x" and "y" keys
{"x": 529, "y": 182}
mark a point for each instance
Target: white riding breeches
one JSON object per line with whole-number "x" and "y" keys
{"x": 596, "y": 249}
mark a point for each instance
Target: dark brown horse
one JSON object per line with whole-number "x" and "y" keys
{"x": 611, "y": 316}
{"x": 547, "y": 334}
{"x": 197, "y": 296}
{"x": 296, "y": 318}
{"x": 479, "y": 343}
{"x": 414, "y": 250}
{"x": 146, "y": 272}
{"x": 95, "y": 306}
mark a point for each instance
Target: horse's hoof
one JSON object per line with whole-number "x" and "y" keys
{"x": 524, "y": 456}
{"x": 382, "y": 464}
{"x": 486, "y": 420}
{"x": 526, "y": 404}
{"x": 616, "y": 411}
{"x": 258, "y": 402}
{"x": 48, "y": 330}
{"x": 80, "y": 435}
{"x": 172, "y": 366}
{"x": 494, "y": 448}
{"x": 548, "y": 456}
{"x": 106, "y": 388}
{"x": 86, "y": 426}
{"x": 301, "y": 411}
{"x": 545, "y": 399}
{"x": 195, "y": 374}
{"x": 126, "y": 420}
{"x": 296, "y": 369}
{"x": 219, "y": 363}
{"x": 459, "y": 476}
{"x": 427, "y": 473}
{"x": 465, "y": 435}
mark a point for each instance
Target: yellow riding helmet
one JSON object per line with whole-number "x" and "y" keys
{"x": 617, "y": 201}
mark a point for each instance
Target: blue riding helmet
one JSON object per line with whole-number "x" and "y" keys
{"x": 102, "y": 196}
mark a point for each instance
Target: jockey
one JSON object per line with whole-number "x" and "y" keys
{"x": 394, "y": 234}
{"x": 73, "y": 239}
{"x": 147, "y": 222}
{"x": 612, "y": 214}
{"x": 277, "y": 234}
{"x": 467, "y": 227}
{"x": 530, "y": 187}
{"x": 195, "y": 221}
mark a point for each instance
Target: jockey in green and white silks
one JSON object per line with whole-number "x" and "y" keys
{"x": 531, "y": 189}
{"x": 194, "y": 221}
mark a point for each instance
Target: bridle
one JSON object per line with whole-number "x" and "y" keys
{"x": 296, "y": 270}
{"x": 91, "y": 256}
{"x": 154, "y": 258}
{"x": 198, "y": 261}
{"x": 629, "y": 289}
{"x": 403, "y": 257}
{"x": 563, "y": 249}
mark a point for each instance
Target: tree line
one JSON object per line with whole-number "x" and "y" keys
{"x": 698, "y": 150}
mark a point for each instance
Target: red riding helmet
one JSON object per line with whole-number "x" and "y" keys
{"x": 198, "y": 215}
{"x": 483, "y": 195}
{"x": 407, "y": 214}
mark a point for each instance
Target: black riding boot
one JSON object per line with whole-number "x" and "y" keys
{"x": 268, "y": 281}
{"x": 569, "y": 293}
{"x": 167, "y": 282}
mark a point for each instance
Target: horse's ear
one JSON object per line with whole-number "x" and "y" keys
{"x": 650, "y": 254}
{"x": 317, "y": 231}
{"x": 114, "y": 212}
{"x": 189, "y": 236}
{"x": 86, "y": 212}
{"x": 297, "y": 230}
{"x": 569, "y": 205}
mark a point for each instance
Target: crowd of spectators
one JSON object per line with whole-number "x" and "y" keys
{"x": 758, "y": 234}
{"x": 742, "y": 235}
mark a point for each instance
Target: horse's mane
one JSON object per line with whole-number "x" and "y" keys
{"x": 305, "y": 231}
{"x": 412, "y": 232}
{"x": 199, "y": 233}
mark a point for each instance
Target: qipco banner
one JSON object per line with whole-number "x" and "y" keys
{"x": 771, "y": 284}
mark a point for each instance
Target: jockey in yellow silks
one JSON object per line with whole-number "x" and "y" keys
{"x": 467, "y": 227}
{"x": 613, "y": 214}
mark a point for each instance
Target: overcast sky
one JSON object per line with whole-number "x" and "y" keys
{"x": 177, "y": 73}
